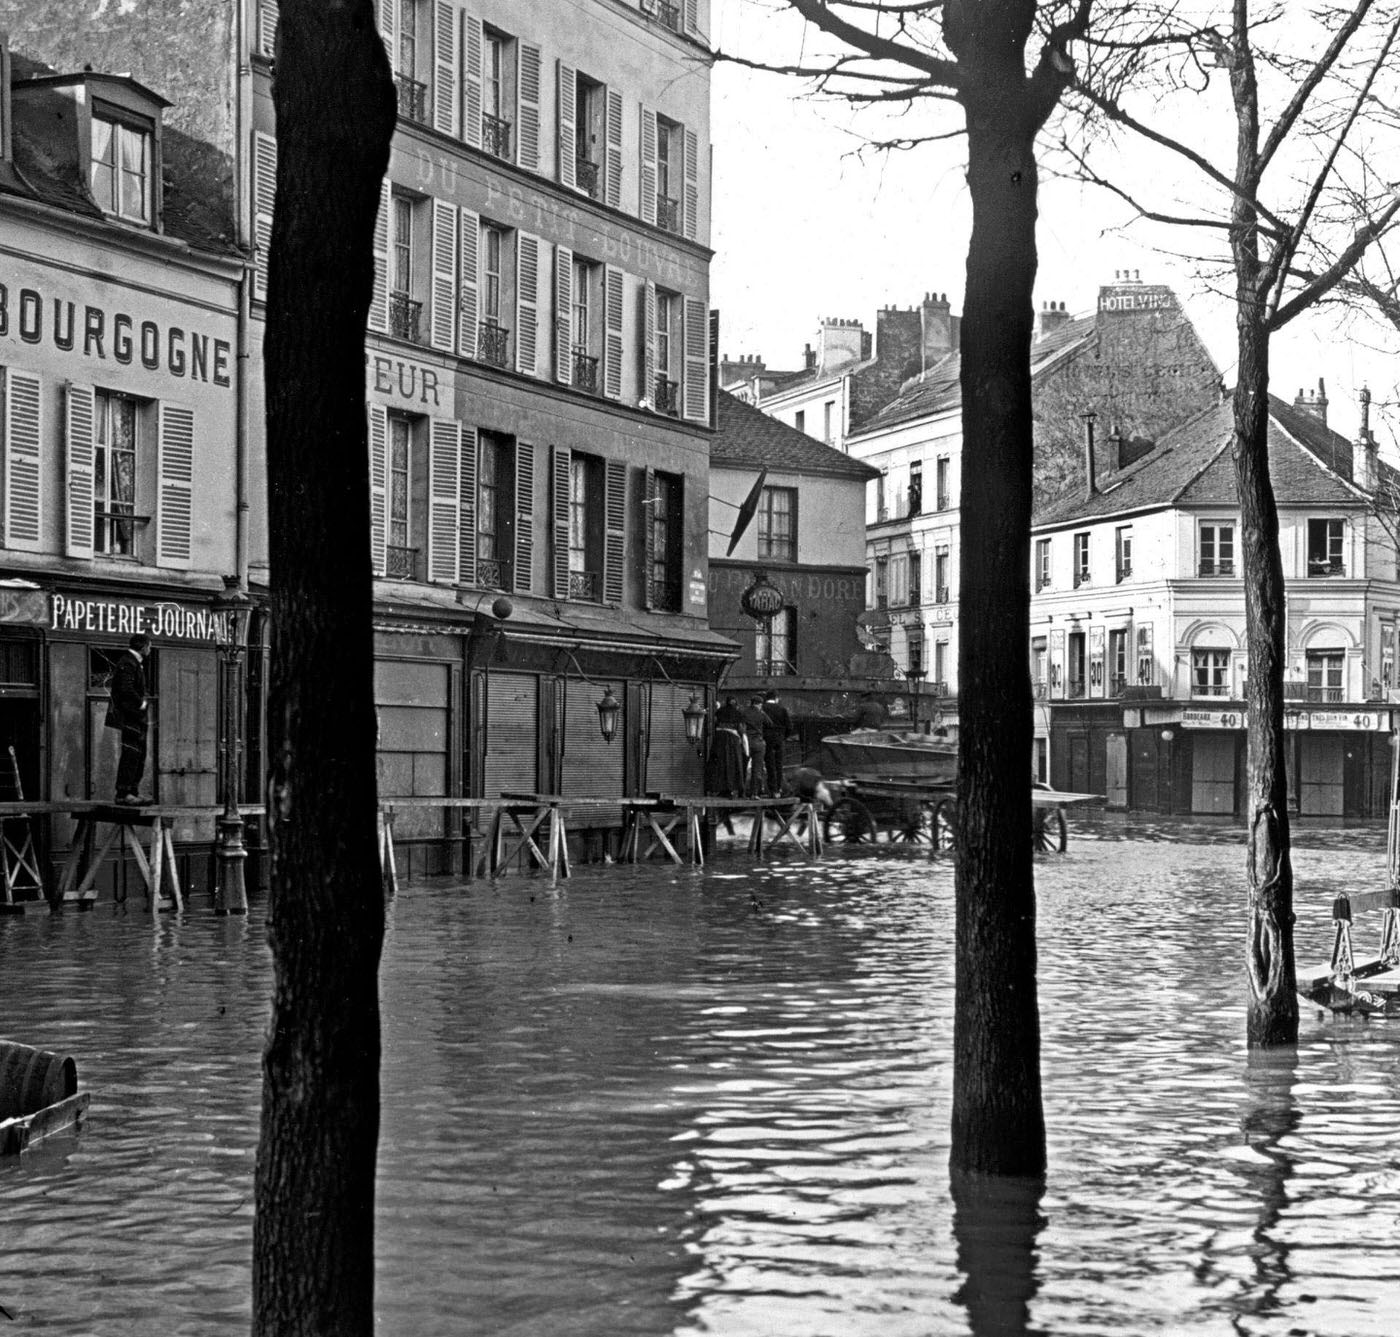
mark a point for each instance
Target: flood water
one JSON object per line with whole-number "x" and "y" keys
{"x": 667, "y": 1101}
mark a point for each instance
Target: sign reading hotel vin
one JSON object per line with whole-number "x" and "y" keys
{"x": 1131, "y": 297}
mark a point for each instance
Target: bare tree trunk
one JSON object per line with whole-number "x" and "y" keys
{"x": 313, "y": 1255}
{"x": 998, "y": 1126}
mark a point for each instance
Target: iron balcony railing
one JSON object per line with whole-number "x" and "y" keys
{"x": 586, "y": 175}
{"x": 489, "y": 572}
{"x": 775, "y": 668}
{"x": 940, "y": 594}
{"x": 584, "y": 585}
{"x": 916, "y": 596}
{"x": 670, "y": 15}
{"x": 942, "y": 501}
{"x": 413, "y": 99}
{"x": 1210, "y": 689}
{"x": 585, "y": 372}
{"x": 665, "y": 596}
{"x": 668, "y": 213}
{"x": 1326, "y": 694}
{"x": 1042, "y": 583}
{"x": 1323, "y": 567}
{"x": 939, "y": 688}
{"x": 666, "y": 392}
{"x": 495, "y": 136}
{"x": 405, "y": 317}
{"x": 1077, "y": 690}
{"x": 1125, "y": 571}
{"x": 882, "y": 601}
{"x": 400, "y": 563}
{"x": 1081, "y": 577}
{"x": 1118, "y": 684}
{"x": 1225, "y": 568}
{"x": 1040, "y": 689}
{"x": 493, "y": 343}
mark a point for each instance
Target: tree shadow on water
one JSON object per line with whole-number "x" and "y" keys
{"x": 996, "y": 1226}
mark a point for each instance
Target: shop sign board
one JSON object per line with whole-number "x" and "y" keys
{"x": 1350, "y": 721}
{"x": 163, "y": 621}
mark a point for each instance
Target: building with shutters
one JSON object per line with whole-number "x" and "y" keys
{"x": 119, "y": 388}
{"x": 537, "y": 364}
{"x": 1138, "y": 651}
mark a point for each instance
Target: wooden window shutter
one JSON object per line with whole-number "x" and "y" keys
{"x": 388, "y": 11}
{"x": 78, "y": 431}
{"x": 612, "y": 161}
{"x": 445, "y": 67}
{"x": 443, "y": 292}
{"x": 563, "y": 315}
{"x": 649, "y": 536}
{"x": 378, "y": 486}
{"x": 691, "y": 18}
{"x": 528, "y": 128}
{"x": 527, "y": 300}
{"x": 174, "y": 486}
{"x": 444, "y": 499}
{"x": 524, "y": 517}
{"x": 468, "y": 282}
{"x": 267, "y": 28}
{"x": 650, "y": 371}
{"x": 646, "y": 190}
{"x": 466, "y": 510}
{"x": 615, "y": 531}
{"x": 612, "y": 337}
{"x": 696, "y": 379}
{"x": 690, "y": 222}
{"x": 264, "y": 195}
{"x": 472, "y": 43}
{"x": 379, "y": 299}
{"x": 23, "y": 448}
{"x": 568, "y": 125}
{"x": 559, "y": 520}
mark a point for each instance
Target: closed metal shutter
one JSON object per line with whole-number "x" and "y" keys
{"x": 414, "y": 733}
{"x": 592, "y": 768}
{"x": 673, "y": 767}
{"x": 512, "y": 734}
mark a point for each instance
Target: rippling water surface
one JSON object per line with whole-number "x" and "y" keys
{"x": 660, "y": 1101}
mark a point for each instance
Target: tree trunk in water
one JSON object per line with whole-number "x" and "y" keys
{"x": 998, "y": 1124}
{"x": 313, "y": 1238}
{"x": 1273, "y": 1000}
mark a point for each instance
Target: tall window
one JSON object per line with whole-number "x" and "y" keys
{"x": 940, "y": 668}
{"x": 400, "y": 557}
{"x": 940, "y": 574}
{"x": 588, "y": 130}
{"x": 1210, "y": 672}
{"x": 582, "y": 322}
{"x": 916, "y": 487}
{"x": 587, "y": 288}
{"x": 492, "y": 246}
{"x": 1325, "y": 548}
{"x": 121, "y": 168}
{"x": 828, "y": 421}
{"x": 777, "y": 524}
{"x": 586, "y": 535}
{"x": 775, "y": 644}
{"x": 401, "y": 279}
{"x": 114, "y": 466}
{"x": 799, "y": 420}
{"x": 916, "y": 579}
{"x": 495, "y": 95}
{"x": 1040, "y": 660}
{"x": 666, "y": 547}
{"x": 1042, "y": 563}
{"x": 915, "y": 647}
{"x": 1325, "y": 670}
{"x": 1217, "y": 549}
{"x": 669, "y": 151}
{"x": 1123, "y": 545}
{"x": 882, "y": 582}
{"x": 666, "y": 390}
{"x": 408, "y": 39}
{"x": 879, "y": 494}
{"x": 1388, "y": 654}
{"x": 1081, "y": 559}
{"x": 940, "y": 477}
{"x": 495, "y": 497}
{"x": 1117, "y": 661}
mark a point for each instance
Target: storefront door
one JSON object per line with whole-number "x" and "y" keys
{"x": 1320, "y": 762}
{"x": 1213, "y": 773}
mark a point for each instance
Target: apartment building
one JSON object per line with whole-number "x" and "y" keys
{"x": 1138, "y": 646}
{"x": 537, "y": 366}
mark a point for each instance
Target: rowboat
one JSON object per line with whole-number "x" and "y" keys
{"x": 891, "y": 755}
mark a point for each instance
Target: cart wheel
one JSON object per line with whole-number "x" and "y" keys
{"x": 1048, "y": 832}
{"x": 850, "y": 822}
{"x": 944, "y": 825}
{"x": 912, "y": 823}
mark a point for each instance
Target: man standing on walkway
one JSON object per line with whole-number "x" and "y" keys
{"x": 128, "y": 713}
{"x": 774, "y": 736}
{"x": 756, "y": 726}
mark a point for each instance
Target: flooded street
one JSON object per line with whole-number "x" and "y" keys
{"x": 660, "y": 1101}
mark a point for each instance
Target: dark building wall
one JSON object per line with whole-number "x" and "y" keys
{"x": 1145, "y": 372}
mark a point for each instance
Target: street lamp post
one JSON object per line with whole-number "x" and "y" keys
{"x": 916, "y": 677}
{"x": 230, "y": 892}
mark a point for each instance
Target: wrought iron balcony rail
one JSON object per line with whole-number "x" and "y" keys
{"x": 666, "y": 394}
{"x": 1219, "y": 689}
{"x": 584, "y": 585}
{"x": 1081, "y": 577}
{"x": 1040, "y": 689}
{"x": 775, "y": 667}
{"x": 939, "y": 688}
{"x": 1077, "y": 690}
{"x": 1326, "y": 694}
{"x": 665, "y": 596}
{"x": 585, "y": 372}
{"x": 1118, "y": 684}
{"x": 1226, "y": 568}
{"x": 405, "y": 317}
{"x": 1324, "y": 567}
{"x": 943, "y": 502}
{"x": 586, "y": 175}
{"x": 668, "y": 14}
{"x": 940, "y": 595}
{"x": 489, "y": 572}
{"x": 1125, "y": 571}
{"x": 668, "y": 213}
{"x": 413, "y": 99}
{"x": 493, "y": 343}
{"x": 400, "y": 563}
{"x": 495, "y": 136}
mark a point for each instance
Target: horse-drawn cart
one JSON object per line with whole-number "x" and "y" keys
{"x": 902, "y": 788}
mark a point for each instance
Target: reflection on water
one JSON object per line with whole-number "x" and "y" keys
{"x": 662, "y": 1101}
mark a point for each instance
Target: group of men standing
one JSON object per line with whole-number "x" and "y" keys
{"x": 749, "y": 747}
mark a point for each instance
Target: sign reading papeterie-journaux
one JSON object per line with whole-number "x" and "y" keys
{"x": 1350, "y": 721}
{"x": 165, "y": 621}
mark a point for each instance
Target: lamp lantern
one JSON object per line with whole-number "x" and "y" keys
{"x": 694, "y": 716}
{"x": 609, "y": 708}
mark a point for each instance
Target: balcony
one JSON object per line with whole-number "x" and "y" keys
{"x": 668, "y": 15}
{"x": 585, "y": 372}
{"x": 1217, "y": 690}
{"x": 493, "y": 344}
{"x": 584, "y": 585}
{"x": 1040, "y": 689}
{"x": 1318, "y": 566}
{"x": 939, "y": 688}
{"x": 942, "y": 502}
{"x": 586, "y": 177}
{"x": 400, "y": 563}
{"x": 666, "y": 394}
{"x": 1081, "y": 577}
{"x": 882, "y": 600}
{"x": 405, "y": 317}
{"x": 665, "y": 596}
{"x": 1042, "y": 583}
{"x": 940, "y": 594}
{"x": 775, "y": 668}
{"x": 495, "y": 137}
{"x": 1294, "y": 689}
{"x": 1117, "y": 684}
{"x": 916, "y": 494}
{"x": 668, "y": 214}
{"x": 1125, "y": 571}
{"x": 1326, "y": 695}
{"x": 1225, "y": 568}
{"x": 490, "y": 573}
{"x": 916, "y": 597}
{"x": 413, "y": 99}
{"x": 1077, "y": 691}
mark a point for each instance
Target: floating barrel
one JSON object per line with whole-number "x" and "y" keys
{"x": 33, "y": 1079}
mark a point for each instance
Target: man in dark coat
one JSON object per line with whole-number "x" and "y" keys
{"x": 756, "y": 726}
{"x": 127, "y": 713}
{"x": 774, "y": 737}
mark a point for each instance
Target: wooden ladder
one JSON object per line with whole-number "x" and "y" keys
{"x": 18, "y": 855}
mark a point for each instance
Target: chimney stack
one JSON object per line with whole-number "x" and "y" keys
{"x": 1090, "y": 486}
{"x": 839, "y": 341}
{"x": 1313, "y": 404}
{"x": 939, "y": 329}
{"x": 1365, "y": 466}
{"x": 1052, "y": 315}
{"x": 809, "y": 358}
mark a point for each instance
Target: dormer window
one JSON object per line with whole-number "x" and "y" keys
{"x": 121, "y": 165}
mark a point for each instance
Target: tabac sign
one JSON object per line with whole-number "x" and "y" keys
{"x": 165, "y": 621}
{"x": 761, "y": 599}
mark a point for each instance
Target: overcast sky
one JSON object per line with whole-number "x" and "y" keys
{"x": 809, "y": 224}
